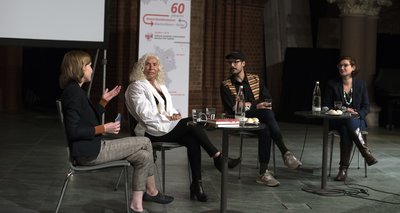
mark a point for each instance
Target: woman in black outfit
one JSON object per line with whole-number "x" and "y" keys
{"x": 352, "y": 92}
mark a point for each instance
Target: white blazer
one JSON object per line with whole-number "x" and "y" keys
{"x": 139, "y": 99}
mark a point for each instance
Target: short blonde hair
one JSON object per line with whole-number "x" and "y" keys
{"x": 138, "y": 68}
{"x": 72, "y": 67}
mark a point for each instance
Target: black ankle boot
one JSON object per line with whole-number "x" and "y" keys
{"x": 218, "y": 162}
{"x": 233, "y": 162}
{"x": 196, "y": 190}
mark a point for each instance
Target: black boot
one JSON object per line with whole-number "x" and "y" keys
{"x": 232, "y": 163}
{"x": 218, "y": 162}
{"x": 196, "y": 190}
{"x": 345, "y": 153}
{"x": 359, "y": 141}
{"x": 342, "y": 174}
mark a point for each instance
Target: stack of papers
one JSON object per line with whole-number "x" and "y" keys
{"x": 225, "y": 122}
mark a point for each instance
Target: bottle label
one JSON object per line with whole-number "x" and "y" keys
{"x": 316, "y": 109}
{"x": 316, "y": 106}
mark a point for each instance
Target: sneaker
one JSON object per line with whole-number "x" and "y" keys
{"x": 267, "y": 179}
{"x": 291, "y": 161}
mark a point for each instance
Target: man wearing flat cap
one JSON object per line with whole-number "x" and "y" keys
{"x": 255, "y": 92}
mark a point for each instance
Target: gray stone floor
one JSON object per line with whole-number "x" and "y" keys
{"x": 33, "y": 166}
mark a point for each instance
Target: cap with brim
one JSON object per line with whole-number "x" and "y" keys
{"x": 236, "y": 55}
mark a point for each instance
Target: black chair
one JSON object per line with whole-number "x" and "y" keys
{"x": 73, "y": 168}
{"x": 157, "y": 146}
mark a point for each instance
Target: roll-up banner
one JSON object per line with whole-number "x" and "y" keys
{"x": 165, "y": 31}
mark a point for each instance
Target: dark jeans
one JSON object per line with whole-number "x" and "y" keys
{"x": 192, "y": 137}
{"x": 272, "y": 130}
{"x": 346, "y": 127}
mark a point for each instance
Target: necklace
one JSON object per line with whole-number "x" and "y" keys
{"x": 348, "y": 98}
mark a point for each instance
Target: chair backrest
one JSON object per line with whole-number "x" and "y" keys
{"x": 61, "y": 119}
{"x": 60, "y": 112}
{"x": 132, "y": 124}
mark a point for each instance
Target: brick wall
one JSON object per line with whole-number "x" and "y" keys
{"x": 217, "y": 27}
{"x": 230, "y": 25}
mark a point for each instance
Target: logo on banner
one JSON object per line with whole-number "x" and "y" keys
{"x": 149, "y": 36}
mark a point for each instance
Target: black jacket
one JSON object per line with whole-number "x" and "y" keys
{"x": 228, "y": 101}
{"x": 334, "y": 92}
{"x": 80, "y": 117}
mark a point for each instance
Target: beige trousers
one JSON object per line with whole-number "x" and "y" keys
{"x": 137, "y": 150}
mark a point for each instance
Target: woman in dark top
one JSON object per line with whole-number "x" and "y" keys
{"x": 352, "y": 92}
{"x": 85, "y": 131}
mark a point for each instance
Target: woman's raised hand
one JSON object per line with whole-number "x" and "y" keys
{"x": 108, "y": 95}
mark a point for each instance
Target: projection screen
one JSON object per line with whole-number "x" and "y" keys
{"x": 54, "y": 23}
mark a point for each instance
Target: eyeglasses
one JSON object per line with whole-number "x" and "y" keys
{"x": 234, "y": 62}
{"x": 343, "y": 65}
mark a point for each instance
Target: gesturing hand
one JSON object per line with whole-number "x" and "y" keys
{"x": 108, "y": 95}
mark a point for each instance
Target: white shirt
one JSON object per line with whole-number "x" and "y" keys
{"x": 140, "y": 102}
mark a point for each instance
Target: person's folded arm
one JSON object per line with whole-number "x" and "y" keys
{"x": 227, "y": 100}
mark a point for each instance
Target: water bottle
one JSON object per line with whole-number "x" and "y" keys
{"x": 240, "y": 106}
{"x": 316, "y": 100}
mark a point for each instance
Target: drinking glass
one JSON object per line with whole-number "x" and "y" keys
{"x": 210, "y": 112}
{"x": 337, "y": 105}
{"x": 196, "y": 115}
{"x": 242, "y": 121}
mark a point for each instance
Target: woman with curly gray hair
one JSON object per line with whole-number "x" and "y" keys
{"x": 150, "y": 103}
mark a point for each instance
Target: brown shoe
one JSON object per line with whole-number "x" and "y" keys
{"x": 368, "y": 157}
{"x": 342, "y": 174}
{"x": 267, "y": 179}
{"x": 291, "y": 161}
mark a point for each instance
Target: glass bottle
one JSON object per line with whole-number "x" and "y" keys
{"x": 316, "y": 100}
{"x": 240, "y": 106}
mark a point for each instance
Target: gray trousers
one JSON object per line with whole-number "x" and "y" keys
{"x": 137, "y": 150}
